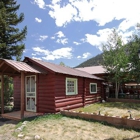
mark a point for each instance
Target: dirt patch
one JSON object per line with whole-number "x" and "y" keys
{"x": 7, "y": 128}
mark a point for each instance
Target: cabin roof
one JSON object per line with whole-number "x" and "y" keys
{"x": 93, "y": 69}
{"x": 11, "y": 65}
{"x": 62, "y": 69}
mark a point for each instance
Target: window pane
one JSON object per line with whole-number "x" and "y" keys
{"x": 28, "y": 84}
{"x": 93, "y": 88}
{"x": 32, "y": 84}
{"x": 70, "y": 86}
{"x": 30, "y": 94}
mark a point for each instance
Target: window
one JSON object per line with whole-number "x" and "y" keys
{"x": 93, "y": 88}
{"x": 71, "y": 86}
{"x": 30, "y": 81}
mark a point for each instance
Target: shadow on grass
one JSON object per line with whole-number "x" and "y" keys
{"x": 43, "y": 117}
{"x": 4, "y": 121}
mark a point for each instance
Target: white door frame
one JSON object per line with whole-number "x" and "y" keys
{"x": 30, "y": 94}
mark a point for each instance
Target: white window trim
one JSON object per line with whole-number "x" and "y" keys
{"x": 90, "y": 87}
{"x": 75, "y": 86}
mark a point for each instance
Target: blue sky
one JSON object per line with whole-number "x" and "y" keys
{"x": 72, "y": 31}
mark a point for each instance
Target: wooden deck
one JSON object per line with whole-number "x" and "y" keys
{"x": 16, "y": 115}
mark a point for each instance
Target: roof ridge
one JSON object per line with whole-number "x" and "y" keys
{"x": 63, "y": 70}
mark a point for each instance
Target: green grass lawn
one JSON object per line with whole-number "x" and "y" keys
{"x": 113, "y": 109}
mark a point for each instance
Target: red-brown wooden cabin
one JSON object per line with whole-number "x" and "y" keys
{"x": 42, "y": 87}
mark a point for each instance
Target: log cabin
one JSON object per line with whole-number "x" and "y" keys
{"x": 43, "y": 87}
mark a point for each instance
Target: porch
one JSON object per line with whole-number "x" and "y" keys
{"x": 135, "y": 95}
{"x": 123, "y": 100}
{"x": 16, "y": 115}
{"x": 13, "y": 69}
{"x": 127, "y": 91}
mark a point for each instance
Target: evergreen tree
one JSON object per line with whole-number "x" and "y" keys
{"x": 11, "y": 37}
{"x": 62, "y": 64}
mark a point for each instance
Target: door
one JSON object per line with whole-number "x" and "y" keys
{"x": 31, "y": 93}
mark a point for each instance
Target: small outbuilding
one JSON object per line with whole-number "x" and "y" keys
{"x": 43, "y": 87}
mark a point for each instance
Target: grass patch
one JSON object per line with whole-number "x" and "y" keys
{"x": 60, "y": 127}
{"x": 56, "y": 127}
{"x": 112, "y": 109}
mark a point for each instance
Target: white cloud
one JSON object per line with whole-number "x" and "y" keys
{"x": 62, "y": 41}
{"x": 126, "y": 24}
{"x": 33, "y": 54}
{"x": 60, "y": 38}
{"x": 56, "y": 1}
{"x": 83, "y": 40}
{"x": 101, "y": 11}
{"x": 79, "y": 57}
{"x": 43, "y": 37}
{"x": 60, "y": 34}
{"x": 56, "y": 54}
{"x": 40, "y": 51}
{"x": 38, "y": 58}
{"x": 38, "y": 20}
{"x": 102, "y": 36}
{"x": 97, "y": 40}
{"x": 85, "y": 55}
{"x": 40, "y": 3}
{"x": 63, "y": 15}
{"x": 53, "y": 37}
{"x": 76, "y": 43}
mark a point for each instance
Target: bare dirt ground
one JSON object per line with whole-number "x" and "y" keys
{"x": 7, "y": 128}
{"x": 65, "y": 128}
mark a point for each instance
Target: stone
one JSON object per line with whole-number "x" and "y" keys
{"x": 20, "y": 135}
{"x": 19, "y": 129}
{"x": 25, "y": 122}
{"x": 28, "y": 138}
{"x": 23, "y": 126}
{"x": 37, "y": 137}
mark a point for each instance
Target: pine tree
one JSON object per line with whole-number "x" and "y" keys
{"x": 11, "y": 37}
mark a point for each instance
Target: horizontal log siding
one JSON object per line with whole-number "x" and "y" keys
{"x": 17, "y": 92}
{"x": 63, "y": 101}
{"x": 92, "y": 97}
{"x": 45, "y": 95}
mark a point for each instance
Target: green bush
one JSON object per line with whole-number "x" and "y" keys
{"x": 8, "y": 89}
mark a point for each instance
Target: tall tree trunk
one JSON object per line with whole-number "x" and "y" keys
{"x": 117, "y": 90}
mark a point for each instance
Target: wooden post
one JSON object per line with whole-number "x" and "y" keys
{"x": 22, "y": 93}
{"x": 2, "y": 94}
{"x": 37, "y": 79}
{"x": 84, "y": 95}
